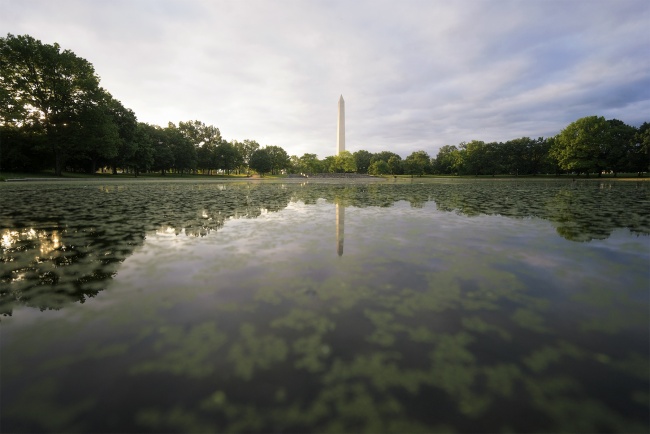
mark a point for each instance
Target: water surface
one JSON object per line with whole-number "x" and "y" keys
{"x": 325, "y": 307}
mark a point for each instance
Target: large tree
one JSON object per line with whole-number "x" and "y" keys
{"x": 309, "y": 163}
{"x": 619, "y": 141}
{"x": 581, "y": 146}
{"x": 473, "y": 158}
{"x": 362, "y": 159}
{"x": 205, "y": 139}
{"x": 94, "y": 135}
{"x": 385, "y": 156}
{"x": 228, "y": 157}
{"x": 44, "y": 86}
{"x": 640, "y": 149}
{"x": 206, "y": 157}
{"x": 378, "y": 167}
{"x": 182, "y": 148}
{"x": 446, "y": 160}
{"x": 395, "y": 165}
{"x": 418, "y": 163}
{"x": 260, "y": 161}
{"x": 537, "y": 159}
{"x": 127, "y": 126}
{"x": 143, "y": 144}
{"x": 246, "y": 150}
{"x": 21, "y": 149}
{"x": 163, "y": 154}
{"x": 344, "y": 162}
{"x": 199, "y": 133}
{"x": 329, "y": 164}
{"x": 279, "y": 159}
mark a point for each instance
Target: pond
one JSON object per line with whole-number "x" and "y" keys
{"x": 377, "y": 306}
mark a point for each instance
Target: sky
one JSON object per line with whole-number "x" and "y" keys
{"x": 415, "y": 75}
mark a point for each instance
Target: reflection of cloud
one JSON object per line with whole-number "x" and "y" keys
{"x": 538, "y": 260}
{"x": 258, "y": 320}
{"x": 166, "y": 230}
{"x": 81, "y": 236}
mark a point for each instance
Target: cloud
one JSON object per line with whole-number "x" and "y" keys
{"x": 414, "y": 75}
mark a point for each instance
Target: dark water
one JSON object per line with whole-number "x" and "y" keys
{"x": 463, "y": 306}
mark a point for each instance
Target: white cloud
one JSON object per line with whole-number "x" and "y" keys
{"x": 415, "y": 75}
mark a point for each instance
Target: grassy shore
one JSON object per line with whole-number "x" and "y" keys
{"x": 627, "y": 176}
{"x": 72, "y": 175}
{"x": 4, "y": 176}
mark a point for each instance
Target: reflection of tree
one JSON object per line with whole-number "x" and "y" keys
{"x": 582, "y": 211}
{"x": 592, "y": 211}
{"x": 68, "y": 254}
{"x": 50, "y": 266}
{"x": 79, "y": 245}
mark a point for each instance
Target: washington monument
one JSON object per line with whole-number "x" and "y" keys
{"x": 340, "y": 129}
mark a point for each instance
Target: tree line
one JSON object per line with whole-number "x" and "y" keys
{"x": 55, "y": 115}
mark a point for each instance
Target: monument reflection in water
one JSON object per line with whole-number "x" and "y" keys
{"x": 340, "y": 228}
{"x": 192, "y": 307}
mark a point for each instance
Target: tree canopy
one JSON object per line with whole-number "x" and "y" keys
{"x": 261, "y": 161}
{"x": 55, "y": 115}
{"x": 46, "y": 88}
{"x": 594, "y": 144}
